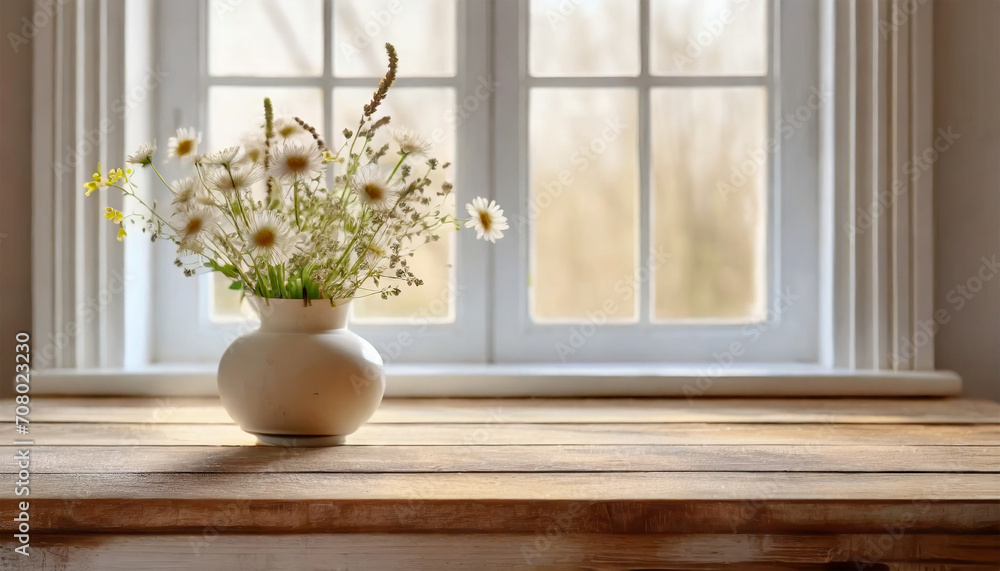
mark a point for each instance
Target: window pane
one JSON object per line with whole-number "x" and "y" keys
{"x": 423, "y": 32}
{"x": 234, "y": 112}
{"x": 583, "y": 203}
{"x": 430, "y": 113}
{"x": 227, "y": 304}
{"x": 710, "y": 162}
{"x": 266, "y": 38}
{"x": 708, "y": 37}
{"x": 584, "y": 38}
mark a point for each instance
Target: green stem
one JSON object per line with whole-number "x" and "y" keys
{"x": 295, "y": 199}
{"x": 151, "y": 165}
{"x": 127, "y": 192}
{"x": 236, "y": 191}
{"x": 393, "y": 173}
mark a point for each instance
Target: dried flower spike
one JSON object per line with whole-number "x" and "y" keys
{"x": 385, "y": 83}
{"x": 312, "y": 131}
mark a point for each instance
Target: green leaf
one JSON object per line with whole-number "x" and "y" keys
{"x": 236, "y": 285}
{"x": 227, "y": 270}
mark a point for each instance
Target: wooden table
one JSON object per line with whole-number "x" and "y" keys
{"x": 836, "y": 484}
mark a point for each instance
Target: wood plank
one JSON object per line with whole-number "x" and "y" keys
{"x": 545, "y": 458}
{"x": 173, "y": 434}
{"x": 521, "y": 486}
{"x": 752, "y": 515}
{"x": 935, "y": 566}
{"x": 496, "y": 411}
{"x": 558, "y": 550}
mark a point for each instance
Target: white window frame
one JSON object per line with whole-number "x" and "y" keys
{"x": 789, "y": 332}
{"x": 874, "y": 297}
{"x": 185, "y": 331}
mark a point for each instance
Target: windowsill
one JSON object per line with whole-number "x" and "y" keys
{"x": 543, "y": 380}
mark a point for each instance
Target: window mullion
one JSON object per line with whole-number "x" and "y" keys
{"x": 328, "y": 76}
{"x": 511, "y": 264}
{"x": 645, "y": 213}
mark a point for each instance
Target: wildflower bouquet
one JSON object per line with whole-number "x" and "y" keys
{"x": 262, "y": 214}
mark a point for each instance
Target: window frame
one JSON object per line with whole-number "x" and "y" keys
{"x": 876, "y": 285}
{"x": 787, "y": 334}
{"x": 187, "y": 333}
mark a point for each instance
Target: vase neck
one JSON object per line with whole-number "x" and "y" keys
{"x": 291, "y": 315}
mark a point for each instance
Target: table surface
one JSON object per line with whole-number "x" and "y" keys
{"x": 704, "y": 481}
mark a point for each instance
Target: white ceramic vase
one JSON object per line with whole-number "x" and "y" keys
{"x": 302, "y": 378}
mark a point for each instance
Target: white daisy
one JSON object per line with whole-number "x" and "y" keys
{"x": 287, "y": 128}
{"x": 295, "y": 161}
{"x": 188, "y": 193}
{"x": 254, "y": 147}
{"x": 411, "y": 143}
{"x": 269, "y": 237}
{"x": 369, "y": 183}
{"x": 236, "y": 178}
{"x": 184, "y": 145}
{"x": 144, "y": 155}
{"x": 194, "y": 224}
{"x": 222, "y": 156}
{"x": 376, "y": 251}
{"x": 487, "y": 219}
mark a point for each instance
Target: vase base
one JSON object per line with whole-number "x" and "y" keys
{"x": 299, "y": 441}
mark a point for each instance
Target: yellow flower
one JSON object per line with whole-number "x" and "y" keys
{"x": 113, "y": 215}
{"x": 91, "y": 187}
{"x": 121, "y": 234}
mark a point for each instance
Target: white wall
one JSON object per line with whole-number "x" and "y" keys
{"x": 967, "y": 190}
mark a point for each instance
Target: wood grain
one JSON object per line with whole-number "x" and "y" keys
{"x": 505, "y": 551}
{"x": 754, "y": 484}
{"x": 522, "y": 486}
{"x": 749, "y": 515}
{"x": 497, "y": 411}
{"x": 175, "y": 434}
{"x": 544, "y": 458}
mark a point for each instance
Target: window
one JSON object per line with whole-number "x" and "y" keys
{"x": 321, "y": 60}
{"x": 659, "y": 221}
{"x": 689, "y": 183}
{"x": 630, "y": 144}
